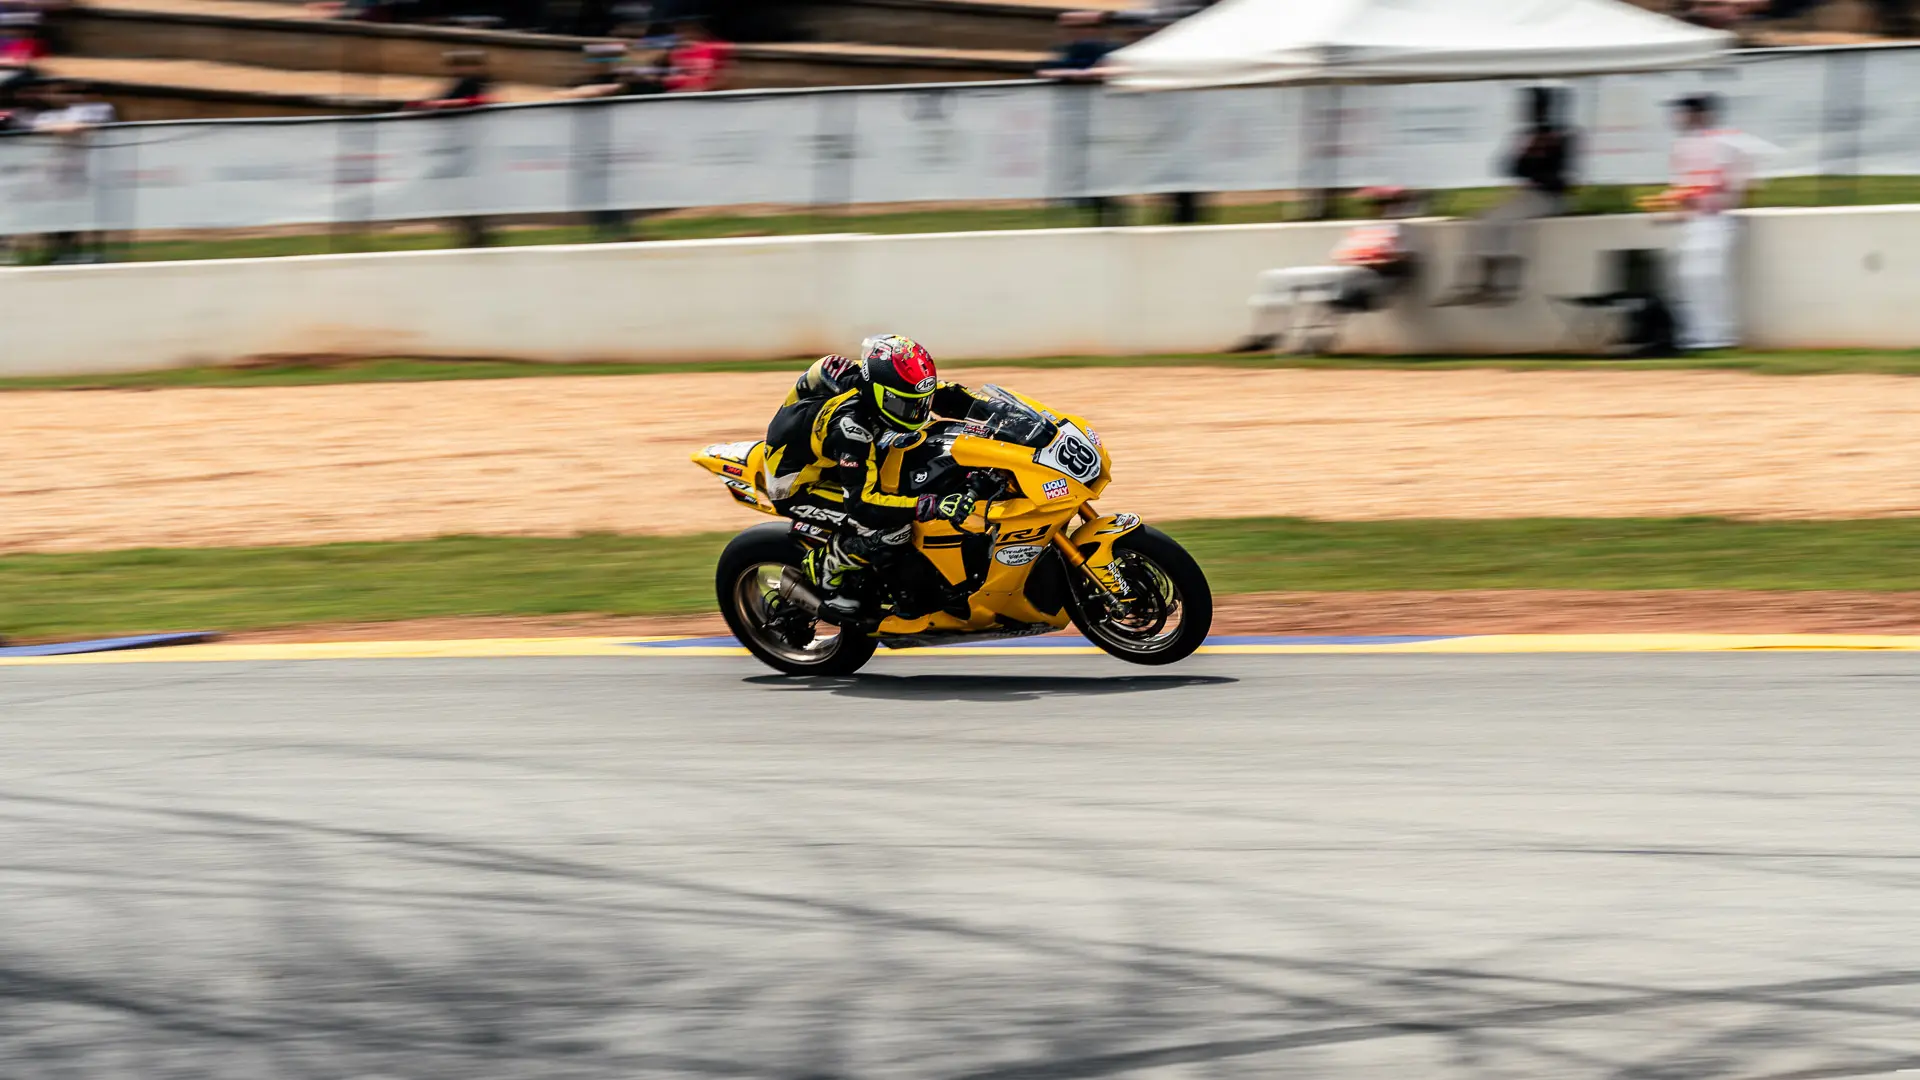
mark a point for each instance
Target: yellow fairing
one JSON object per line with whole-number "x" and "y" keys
{"x": 1024, "y": 536}
{"x": 742, "y": 466}
{"x": 1028, "y": 523}
{"x": 1095, "y": 539}
{"x": 1106, "y": 459}
{"x": 1032, "y": 478}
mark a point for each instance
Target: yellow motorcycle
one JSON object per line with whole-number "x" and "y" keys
{"x": 1019, "y": 566}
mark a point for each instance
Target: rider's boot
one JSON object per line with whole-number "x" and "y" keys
{"x": 837, "y": 569}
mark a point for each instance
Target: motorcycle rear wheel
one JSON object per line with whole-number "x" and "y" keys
{"x": 747, "y": 582}
{"x": 1172, "y": 606}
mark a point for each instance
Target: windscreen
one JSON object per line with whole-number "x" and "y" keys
{"x": 997, "y": 414}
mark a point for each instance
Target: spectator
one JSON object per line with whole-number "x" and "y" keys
{"x": 1369, "y": 265}
{"x": 618, "y": 71}
{"x": 70, "y": 115}
{"x": 698, "y": 61}
{"x": 1093, "y": 48}
{"x": 1712, "y": 167}
{"x": 470, "y": 88}
{"x": 69, "y": 111}
{"x": 20, "y": 41}
{"x": 472, "y": 85}
{"x": 1542, "y": 161}
{"x": 1083, "y": 45}
{"x": 607, "y": 77}
{"x": 1183, "y": 208}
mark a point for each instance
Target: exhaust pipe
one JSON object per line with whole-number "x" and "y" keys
{"x": 795, "y": 589}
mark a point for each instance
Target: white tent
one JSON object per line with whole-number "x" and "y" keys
{"x": 1247, "y": 42}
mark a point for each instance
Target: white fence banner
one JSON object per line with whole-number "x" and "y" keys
{"x": 1889, "y": 134}
{"x": 222, "y": 175}
{"x": 46, "y": 184}
{"x": 713, "y": 150}
{"x": 1780, "y": 102}
{"x": 515, "y": 161}
{"x": 952, "y": 142}
{"x": 1450, "y": 135}
{"x": 1224, "y": 140}
{"x": 1825, "y": 111}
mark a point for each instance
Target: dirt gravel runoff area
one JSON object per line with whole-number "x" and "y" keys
{"x": 561, "y": 456}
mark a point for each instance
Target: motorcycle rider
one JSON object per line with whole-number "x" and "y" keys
{"x": 826, "y": 449}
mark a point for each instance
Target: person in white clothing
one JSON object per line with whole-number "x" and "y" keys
{"x": 1712, "y": 167}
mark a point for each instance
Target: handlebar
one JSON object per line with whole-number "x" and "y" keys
{"x": 984, "y": 484}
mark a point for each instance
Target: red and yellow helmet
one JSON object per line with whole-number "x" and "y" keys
{"x": 901, "y": 377}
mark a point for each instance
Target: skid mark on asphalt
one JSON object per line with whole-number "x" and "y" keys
{"x": 1792, "y": 994}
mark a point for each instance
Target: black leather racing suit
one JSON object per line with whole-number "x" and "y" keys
{"x": 826, "y": 462}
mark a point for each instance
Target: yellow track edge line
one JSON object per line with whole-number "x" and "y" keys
{"x": 501, "y": 648}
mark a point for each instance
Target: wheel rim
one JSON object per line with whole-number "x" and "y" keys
{"x": 1152, "y": 619}
{"x": 773, "y": 622}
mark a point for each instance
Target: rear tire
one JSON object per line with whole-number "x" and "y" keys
{"x": 1173, "y": 610}
{"x": 746, "y": 581}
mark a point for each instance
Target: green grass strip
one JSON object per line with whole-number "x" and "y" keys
{"x": 245, "y": 588}
{"x": 1280, "y": 554}
{"x": 341, "y": 372}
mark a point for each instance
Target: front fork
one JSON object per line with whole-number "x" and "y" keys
{"x": 1097, "y": 536}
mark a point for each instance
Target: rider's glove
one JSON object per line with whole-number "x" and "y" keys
{"x": 953, "y": 509}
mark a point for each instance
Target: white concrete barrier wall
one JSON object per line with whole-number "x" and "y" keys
{"x": 724, "y": 298}
{"x": 1810, "y": 279}
{"x": 1847, "y": 279}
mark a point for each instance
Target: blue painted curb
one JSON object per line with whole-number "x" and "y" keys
{"x": 118, "y": 644}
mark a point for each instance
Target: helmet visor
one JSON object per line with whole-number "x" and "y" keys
{"x": 909, "y": 411}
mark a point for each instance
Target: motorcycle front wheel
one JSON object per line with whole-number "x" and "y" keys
{"x": 753, "y": 584}
{"x": 1168, "y": 611}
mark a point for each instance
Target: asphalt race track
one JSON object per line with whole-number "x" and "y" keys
{"x": 1388, "y": 867}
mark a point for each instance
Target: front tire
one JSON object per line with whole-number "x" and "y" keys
{"x": 776, "y": 630}
{"x": 1169, "y": 613}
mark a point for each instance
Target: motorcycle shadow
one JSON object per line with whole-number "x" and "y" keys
{"x": 984, "y": 688}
